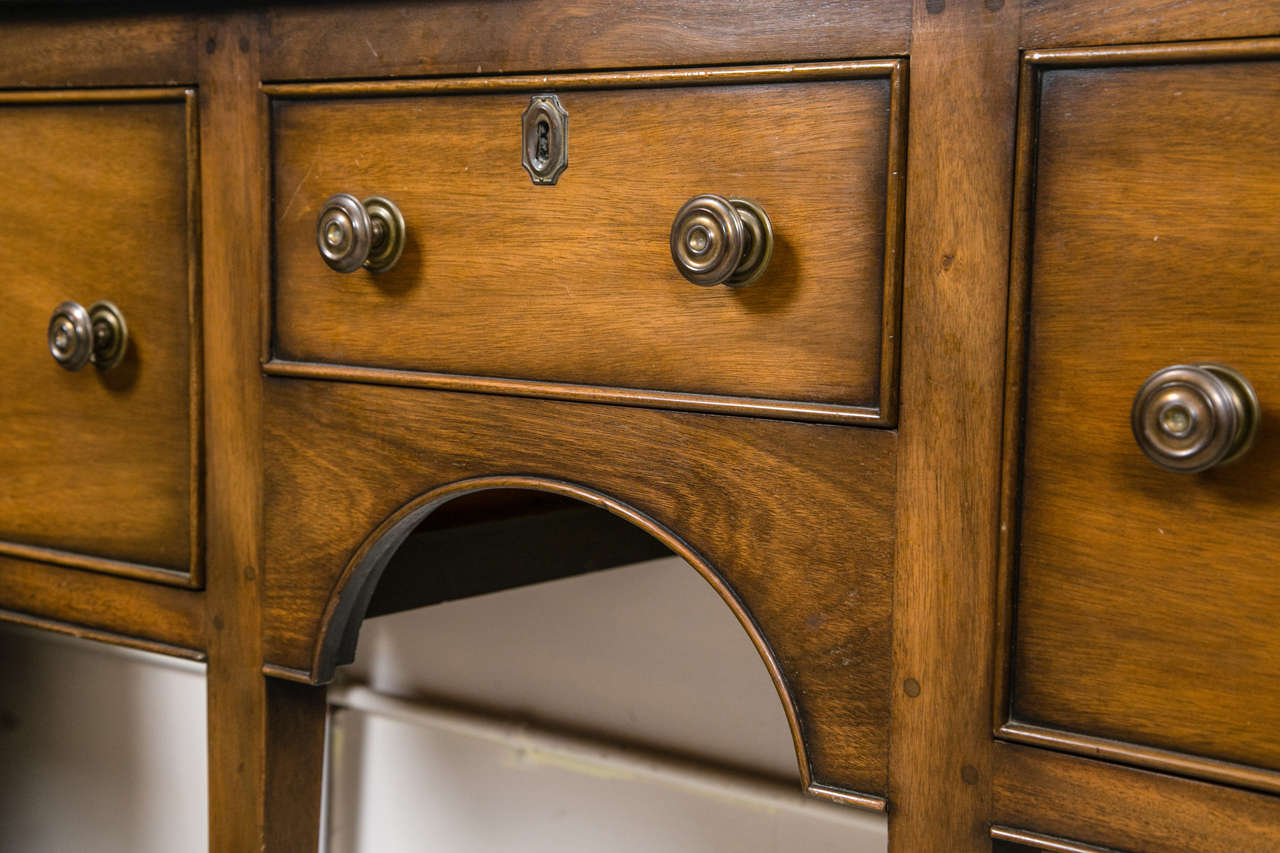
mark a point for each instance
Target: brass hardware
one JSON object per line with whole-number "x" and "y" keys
{"x": 70, "y": 336}
{"x": 77, "y": 337}
{"x": 715, "y": 240}
{"x": 352, "y": 234}
{"x": 1192, "y": 417}
{"x": 110, "y": 335}
{"x": 545, "y": 135}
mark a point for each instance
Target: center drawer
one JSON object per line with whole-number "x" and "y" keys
{"x": 571, "y": 290}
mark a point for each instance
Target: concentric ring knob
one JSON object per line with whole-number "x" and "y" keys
{"x": 351, "y": 234}
{"x": 1192, "y": 417}
{"x": 70, "y": 336}
{"x": 77, "y": 337}
{"x": 716, "y": 240}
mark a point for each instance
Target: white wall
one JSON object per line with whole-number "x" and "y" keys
{"x": 102, "y": 750}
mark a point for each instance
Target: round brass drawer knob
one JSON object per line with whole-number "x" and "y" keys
{"x": 351, "y": 234}
{"x": 717, "y": 240}
{"x": 1192, "y": 417}
{"x": 78, "y": 337}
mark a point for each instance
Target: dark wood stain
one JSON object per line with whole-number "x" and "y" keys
{"x": 1064, "y": 23}
{"x": 555, "y": 305}
{"x": 726, "y": 484}
{"x": 958, "y": 195}
{"x": 1077, "y": 798}
{"x": 1115, "y": 691}
{"x": 384, "y": 39}
{"x": 50, "y": 47}
{"x": 1144, "y": 598}
{"x": 102, "y": 465}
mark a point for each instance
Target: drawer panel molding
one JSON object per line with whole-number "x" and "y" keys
{"x": 570, "y": 291}
{"x": 103, "y": 466}
{"x": 1136, "y": 604}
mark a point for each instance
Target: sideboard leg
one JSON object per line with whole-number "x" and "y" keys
{"x": 294, "y": 759}
{"x": 263, "y": 736}
{"x": 266, "y": 765}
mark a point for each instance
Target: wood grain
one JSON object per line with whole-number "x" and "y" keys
{"x": 1121, "y": 807}
{"x": 1145, "y": 598}
{"x": 98, "y": 635}
{"x": 964, "y": 69}
{"x": 295, "y": 741}
{"x": 1155, "y": 645}
{"x": 77, "y": 46}
{"x": 264, "y": 739}
{"x": 107, "y": 608}
{"x": 731, "y": 488}
{"x": 498, "y": 279}
{"x": 1064, "y": 23}
{"x": 460, "y": 37}
{"x": 104, "y": 464}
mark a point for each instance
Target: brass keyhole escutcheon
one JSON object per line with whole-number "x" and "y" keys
{"x": 545, "y": 139}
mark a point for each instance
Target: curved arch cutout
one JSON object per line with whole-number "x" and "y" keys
{"x": 343, "y": 615}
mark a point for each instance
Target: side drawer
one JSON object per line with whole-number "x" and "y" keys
{"x": 570, "y": 290}
{"x": 1146, "y": 625}
{"x": 100, "y": 468}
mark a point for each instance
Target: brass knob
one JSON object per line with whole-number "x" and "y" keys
{"x": 77, "y": 337}
{"x": 352, "y": 234}
{"x": 717, "y": 240}
{"x": 1191, "y": 417}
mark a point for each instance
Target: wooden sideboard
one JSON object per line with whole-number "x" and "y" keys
{"x": 982, "y": 461}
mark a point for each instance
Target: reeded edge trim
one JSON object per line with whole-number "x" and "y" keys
{"x": 753, "y": 407}
{"x": 1011, "y": 439}
{"x": 101, "y": 636}
{"x": 1046, "y": 842}
{"x": 894, "y": 252}
{"x": 866, "y": 802}
{"x": 105, "y": 565}
{"x": 635, "y": 79}
{"x": 339, "y": 626}
{"x": 1147, "y": 757}
{"x": 1220, "y": 50}
{"x": 288, "y": 673}
{"x": 97, "y": 96}
{"x": 195, "y": 339}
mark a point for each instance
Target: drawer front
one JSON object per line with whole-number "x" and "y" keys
{"x": 1147, "y": 602}
{"x": 99, "y": 468}
{"x": 574, "y": 283}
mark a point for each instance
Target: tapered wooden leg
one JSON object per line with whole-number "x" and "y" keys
{"x": 294, "y": 763}
{"x": 260, "y": 733}
{"x": 266, "y": 764}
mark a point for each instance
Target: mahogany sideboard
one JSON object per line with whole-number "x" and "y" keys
{"x": 940, "y": 338}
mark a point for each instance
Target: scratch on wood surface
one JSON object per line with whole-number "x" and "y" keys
{"x": 296, "y": 190}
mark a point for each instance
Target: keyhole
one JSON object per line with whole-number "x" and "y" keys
{"x": 544, "y": 140}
